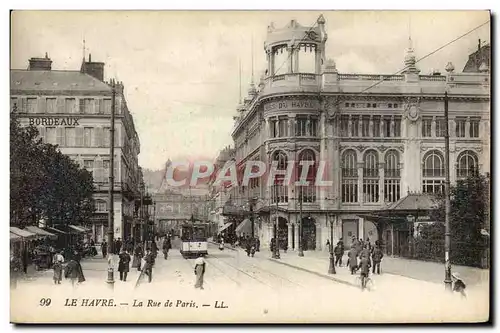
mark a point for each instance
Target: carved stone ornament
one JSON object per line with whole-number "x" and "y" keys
{"x": 412, "y": 110}
{"x": 330, "y": 106}
{"x": 361, "y": 148}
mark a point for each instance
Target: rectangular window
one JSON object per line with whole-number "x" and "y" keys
{"x": 301, "y": 126}
{"x": 87, "y": 136}
{"x": 50, "y": 135}
{"x": 354, "y": 126}
{"x": 392, "y": 190}
{"x": 474, "y": 128}
{"x": 460, "y": 127}
{"x": 89, "y": 166}
{"x": 70, "y": 136}
{"x": 387, "y": 128}
{"x": 282, "y": 127}
{"x": 344, "y": 126}
{"x": 434, "y": 186}
{"x": 313, "y": 127}
{"x": 279, "y": 193}
{"x": 107, "y": 106}
{"x": 365, "y": 127}
{"x": 105, "y": 167}
{"x": 370, "y": 190}
{"x": 376, "y": 127}
{"x": 397, "y": 127}
{"x": 272, "y": 128}
{"x": 426, "y": 127}
{"x": 31, "y": 105}
{"x": 440, "y": 127}
{"x": 70, "y": 105}
{"x": 50, "y": 105}
{"x": 88, "y": 106}
{"x": 349, "y": 190}
{"x": 106, "y": 136}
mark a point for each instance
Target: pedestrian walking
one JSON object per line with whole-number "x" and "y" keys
{"x": 58, "y": 267}
{"x": 138, "y": 254}
{"x": 199, "y": 271}
{"x": 124, "y": 264}
{"x": 257, "y": 244}
{"x": 104, "y": 249}
{"x": 338, "y": 255}
{"x": 118, "y": 246}
{"x": 353, "y": 260}
{"x": 377, "y": 256}
{"x": 74, "y": 272}
{"x": 148, "y": 264}
{"x": 166, "y": 247}
{"x": 327, "y": 247}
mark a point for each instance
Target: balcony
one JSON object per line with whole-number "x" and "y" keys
{"x": 290, "y": 82}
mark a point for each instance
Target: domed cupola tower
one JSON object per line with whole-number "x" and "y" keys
{"x": 297, "y": 43}
{"x": 410, "y": 61}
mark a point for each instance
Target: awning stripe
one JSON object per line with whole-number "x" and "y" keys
{"x": 39, "y": 231}
{"x": 22, "y": 233}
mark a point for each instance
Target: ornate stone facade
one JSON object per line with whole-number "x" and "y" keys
{"x": 380, "y": 137}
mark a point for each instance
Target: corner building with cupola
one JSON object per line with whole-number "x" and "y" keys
{"x": 381, "y": 138}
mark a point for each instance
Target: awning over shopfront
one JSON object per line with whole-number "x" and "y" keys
{"x": 23, "y": 233}
{"x": 225, "y": 226}
{"x": 57, "y": 231}
{"x": 40, "y": 232}
{"x": 244, "y": 227}
{"x": 77, "y": 229}
{"x": 14, "y": 237}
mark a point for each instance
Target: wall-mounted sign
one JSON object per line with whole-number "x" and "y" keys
{"x": 291, "y": 104}
{"x": 45, "y": 121}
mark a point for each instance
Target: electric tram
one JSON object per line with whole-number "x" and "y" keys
{"x": 194, "y": 239}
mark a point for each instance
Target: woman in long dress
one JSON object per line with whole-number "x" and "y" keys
{"x": 199, "y": 271}
{"x": 58, "y": 267}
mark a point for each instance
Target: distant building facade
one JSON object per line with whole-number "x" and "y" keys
{"x": 380, "y": 136}
{"x": 72, "y": 110}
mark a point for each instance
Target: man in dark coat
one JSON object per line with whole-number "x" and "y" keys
{"x": 338, "y": 255}
{"x": 118, "y": 245}
{"x": 104, "y": 248}
{"x": 377, "y": 256}
{"x": 353, "y": 260}
{"x": 148, "y": 266}
{"x": 124, "y": 265}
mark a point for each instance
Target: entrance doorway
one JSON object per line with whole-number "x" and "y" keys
{"x": 283, "y": 233}
{"x": 349, "y": 230}
{"x": 308, "y": 234}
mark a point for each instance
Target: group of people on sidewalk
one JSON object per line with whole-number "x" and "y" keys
{"x": 361, "y": 256}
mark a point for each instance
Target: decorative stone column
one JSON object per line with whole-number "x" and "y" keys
{"x": 318, "y": 53}
{"x": 291, "y": 125}
{"x": 296, "y": 59}
{"x": 381, "y": 189}
{"x": 360, "y": 182}
{"x": 433, "y": 127}
{"x": 370, "y": 133}
{"x": 361, "y": 228}
{"x": 349, "y": 127}
{"x": 467, "y": 128}
{"x": 290, "y": 230}
{"x": 392, "y": 127}
{"x": 381, "y": 127}
{"x": 289, "y": 59}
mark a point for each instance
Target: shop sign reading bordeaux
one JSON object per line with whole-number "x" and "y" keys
{"x": 291, "y": 104}
{"x": 44, "y": 121}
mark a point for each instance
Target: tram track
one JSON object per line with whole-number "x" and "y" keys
{"x": 257, "y": 269}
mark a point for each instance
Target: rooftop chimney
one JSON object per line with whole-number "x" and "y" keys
{"x": 95, "y": 69}
{"x": 40, "y": 64}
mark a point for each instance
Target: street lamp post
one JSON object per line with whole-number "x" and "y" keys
{"x": 301, "y": 252}
{"x": 331, "y": 269}
{"x": 251, "y": 218}
{"x": 447, "y": 240}
{"x": 276, "y": 252}
{"x": 110, "y": 281}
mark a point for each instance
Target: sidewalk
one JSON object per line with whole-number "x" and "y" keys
{"x": 415, "y": 269}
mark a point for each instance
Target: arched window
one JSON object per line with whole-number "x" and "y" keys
{"x": 392, "y": 177}
{"x": 308, "y": 191}
{"x": 370, "y": 177}
{"x": 467, "y": 163}
{"x": 101, "y": 206}
{"x": 280, "y": 189}
{"x": 349, "y": 176}
{"x": 433, "y": 172}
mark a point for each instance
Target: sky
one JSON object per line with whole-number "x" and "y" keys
{"x": 181, "y": 69}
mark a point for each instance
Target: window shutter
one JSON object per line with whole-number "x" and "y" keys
{"x": 61, "y": 136}
{"x": 24, "y": 105}
{"x": 79, "y": 136}
{"x": 98, "y": 137}
{"x": 98, "y": 173}
{"x": 42, "y": 105}
{"x": 60, "y": 105}
{"x": 100, "y": 106}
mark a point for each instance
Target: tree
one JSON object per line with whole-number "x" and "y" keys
{"x": 467, "y": 219}
{"x": 46, "y": 184}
